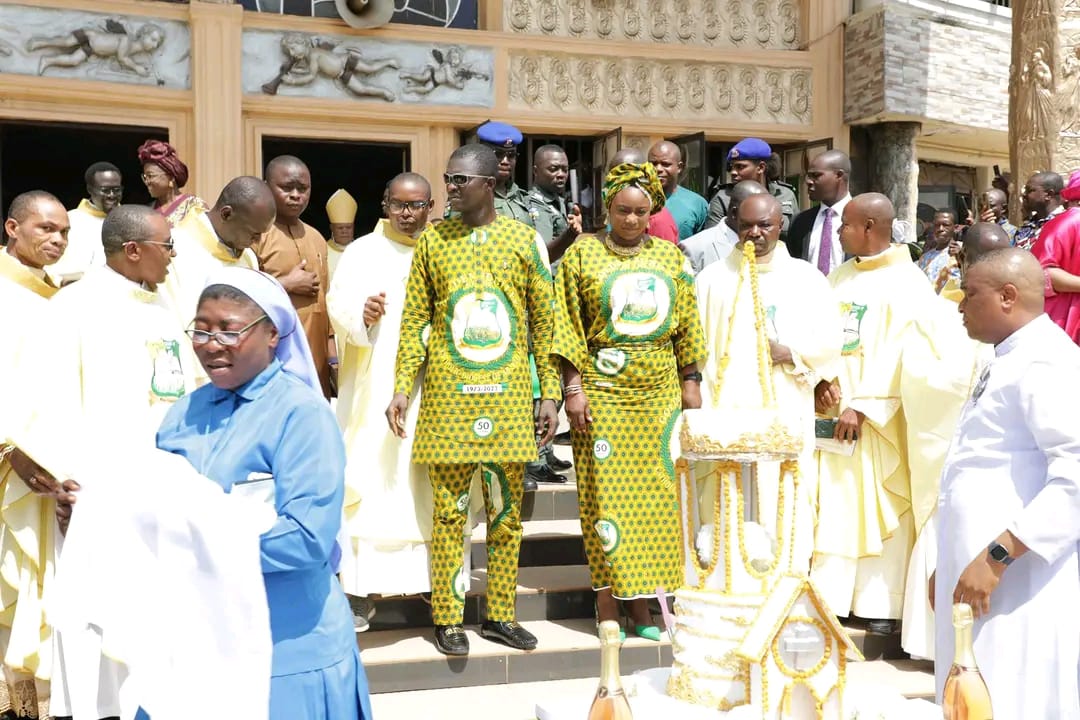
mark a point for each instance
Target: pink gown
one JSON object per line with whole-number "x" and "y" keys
{"x": 1058, "y": 246}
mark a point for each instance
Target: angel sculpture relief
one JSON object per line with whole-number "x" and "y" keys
{"x": 113, "y": 42}
{"x": 307, "y": 59}
{"x": 448, "y": 70}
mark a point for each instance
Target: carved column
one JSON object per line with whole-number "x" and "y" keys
{"x": 217, "y": 92}
{"x": 1044, "y": 90}
{"x": 894, "y": 169}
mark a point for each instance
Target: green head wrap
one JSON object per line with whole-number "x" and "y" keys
{"x": 642, "y": 176}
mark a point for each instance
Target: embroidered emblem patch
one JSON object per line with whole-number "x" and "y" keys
{"x": 167, "y": 382}
{"x": 853, "y": 316}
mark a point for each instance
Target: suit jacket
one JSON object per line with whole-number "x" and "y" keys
{"x": 798, "y": 237}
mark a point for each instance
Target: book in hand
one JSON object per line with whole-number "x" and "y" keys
{"x": 824, "y": 438}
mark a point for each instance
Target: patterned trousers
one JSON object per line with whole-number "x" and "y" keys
{"x": 502, "y": 485}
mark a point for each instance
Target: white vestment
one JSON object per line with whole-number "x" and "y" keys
{"x": 110, "y": 361}
{"x": 199, "y": 254}
{"x": 84, "y": 249}
{"x": 801, "y": 314}
{"x": 1014, "y": 465}
{"x": 388, "y": 503}
{"x": 164, "y": 570}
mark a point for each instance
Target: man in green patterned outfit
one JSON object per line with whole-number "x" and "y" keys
{"x": 480, "y": 283}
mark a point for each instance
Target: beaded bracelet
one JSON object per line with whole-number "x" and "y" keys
{"x": 572, "y": 390}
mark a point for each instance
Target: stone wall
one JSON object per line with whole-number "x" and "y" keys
{"x": 900, "y": 62}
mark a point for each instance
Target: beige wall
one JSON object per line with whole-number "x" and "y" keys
{"x": 218, "y": 130}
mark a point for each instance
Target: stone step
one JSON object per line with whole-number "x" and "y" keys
{"x": 911, "y": 678}
{"x": 406, "y": 659}
{"x": 543, "y": 543}
{"x": 559, "y": 592}
{"x": 551, "y": 501}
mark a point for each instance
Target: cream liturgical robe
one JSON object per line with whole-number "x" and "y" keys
{"x": 800, "y": 313}
{"x": 26, "y": 520}
{"x": 199, "y": 253}
{"x": 1014, "y": 465}
{"x": 84, "y": 249}
{"x": 865, "y": 528}
{"x": 108, "y": 361}
{"x": 388, "y": 505}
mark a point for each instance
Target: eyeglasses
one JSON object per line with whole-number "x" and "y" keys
{"x": 225, "y": 338}
{"x": 153, "y": 177}
{"x": 460, "y": 179}
{"x": 170, "y": 246}
{"x": 114, "y": 190}
{"x": 414, "y": 205}
{"x": 503, "y": 154}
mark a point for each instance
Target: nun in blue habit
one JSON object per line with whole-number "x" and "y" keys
{"x": 263, "y": 428}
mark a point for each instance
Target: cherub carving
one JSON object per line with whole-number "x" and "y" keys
{"x": 448, "y": 70}
{"x": 113, "y": 42}
{"x": 306, "y": 59}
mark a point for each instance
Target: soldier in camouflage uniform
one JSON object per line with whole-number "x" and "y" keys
{"x": 748, "y": 161}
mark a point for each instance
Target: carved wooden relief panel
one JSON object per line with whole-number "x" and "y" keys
{"x": 649, "y": 88}
{"x": 763, "y": 24}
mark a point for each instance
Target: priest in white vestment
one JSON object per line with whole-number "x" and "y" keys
{"x": 220, "y": 237}
{"x": 1008, "y": 518}
{"x": 104, "y": 191}
{"x": 388, "y": 499}
{"x": 866, "y": 525}
{"x": 109, "y": 361}
{"x": 803, "y": 326}
{"x": 945, "y": 364}
{"x": 36, "y": 230}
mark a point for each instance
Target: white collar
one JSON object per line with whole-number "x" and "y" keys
{"x": 838, "y": 206}
{"x": 1013, "y": 341}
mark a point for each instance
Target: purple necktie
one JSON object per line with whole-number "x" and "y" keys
{"x": 824, "y": 253}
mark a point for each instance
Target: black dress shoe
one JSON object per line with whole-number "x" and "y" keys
{"x": 556, "y": 464}
{"x": 562, "y": 438}
{"x": 451, "y": 640}
{"x": 508, "y": 633}
{"x": 529, "y": 485}
{"x": 881, "y": 627}
{"x": 542, "y": 473}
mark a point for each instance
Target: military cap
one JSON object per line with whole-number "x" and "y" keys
{"x": 499, "y": 134}
{"x": 750, "y": 149}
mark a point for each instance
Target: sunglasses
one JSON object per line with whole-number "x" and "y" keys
{"x": 414, "y": 205}
{"x": 460, "y": 179}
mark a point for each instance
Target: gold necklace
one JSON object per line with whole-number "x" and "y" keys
{"x": 623, "y": 250}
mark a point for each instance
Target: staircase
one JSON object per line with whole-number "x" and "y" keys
{"x": 555, "y": 602}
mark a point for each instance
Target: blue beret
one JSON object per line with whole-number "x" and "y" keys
{"x": 750, "y": 149}
{"x": 499, "y": 134}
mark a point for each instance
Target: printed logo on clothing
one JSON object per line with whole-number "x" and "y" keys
{"x": 462, "y": 502}
{"x": 167, "y": 382}
{"x": 481, "y": 328}
{"x": 482, "y": 427}
{"x": 853, "y": 316}
{"x": 610, "y": 361}
{"x": 459, "y": 584}
{"x": 608, "y": 532}
{"x": 601, "y": 449}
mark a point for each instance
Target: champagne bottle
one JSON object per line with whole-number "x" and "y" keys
{"x": 965, "y": 695}
{"x": 610, "y": 702}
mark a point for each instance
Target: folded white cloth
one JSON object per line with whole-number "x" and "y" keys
{"x": 166, "y": 568}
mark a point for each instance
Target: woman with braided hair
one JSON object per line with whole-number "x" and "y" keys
{"x": 629, "y": 340}
{"x": 164, "y": 174}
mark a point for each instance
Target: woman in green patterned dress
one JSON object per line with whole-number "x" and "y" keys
{"x": 629, "y": 340}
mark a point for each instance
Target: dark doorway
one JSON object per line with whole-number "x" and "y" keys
{"x": 363, "y": 169}
{"x": 54, "y": 156}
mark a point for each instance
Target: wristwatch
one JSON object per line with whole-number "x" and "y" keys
{"x": 692, "y": 377}
{"x": 998, "y": 553}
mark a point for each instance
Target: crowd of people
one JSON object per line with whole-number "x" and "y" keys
{"x": 230, "y": 334}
